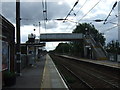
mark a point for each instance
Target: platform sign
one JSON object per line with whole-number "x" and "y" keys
{"x": 30, "y": 49}
{"x": 5, "y": 55}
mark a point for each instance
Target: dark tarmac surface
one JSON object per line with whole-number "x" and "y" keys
{"x": 31, "y": 77}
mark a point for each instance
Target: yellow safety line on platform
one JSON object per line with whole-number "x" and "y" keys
{"x": 46, "y": 75}
{"x": 43, "y": 77}
{"x": 102, "y": 58}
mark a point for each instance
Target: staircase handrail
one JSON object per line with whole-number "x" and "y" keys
{"x": 103, "y": 48}
{"x": 93, "y": 39}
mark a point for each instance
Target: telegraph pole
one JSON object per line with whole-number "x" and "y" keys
{"x": 18, "y": 51}
{"x": 119, "y": 21}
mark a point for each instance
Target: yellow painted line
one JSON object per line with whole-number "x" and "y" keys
{"x": 46, "y": 79}
{"x": 102, "y": 58}
{"x": 43, "y": 74}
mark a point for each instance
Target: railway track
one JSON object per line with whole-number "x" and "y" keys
{"x": 70, "y": 77}
{"x": 87, "y": 77}
{"x": 85, "y": 84}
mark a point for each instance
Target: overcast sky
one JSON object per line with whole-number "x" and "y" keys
{"x": 32, "y": 14}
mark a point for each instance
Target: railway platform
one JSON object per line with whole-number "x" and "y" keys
{"x": 43, "y": 75}
{"x": 99, "y": 62}
{"x": 30, "y": 79}
{"x": 51, "y": 76}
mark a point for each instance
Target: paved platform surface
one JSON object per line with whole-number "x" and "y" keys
{"x": 101, "y": 62}
{"x": 42, "y": 75}
{"x": 31, "y": 77}
{"x": 51, "y": 76}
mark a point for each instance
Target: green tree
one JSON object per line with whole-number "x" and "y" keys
{"x": 113, "y": 47}
{"x": 63, "y": 48}
{"x": 78, "y": 47}
{"x": 81, "y": 28}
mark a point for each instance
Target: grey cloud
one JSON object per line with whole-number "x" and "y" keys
{"x": 24, "y": 38}
{"x": 99, "y": 25}
{"x": 57, "y": 11}
{"x": 8, "y": 11}
{"x": 51, "y": 25}
{"x": 31, "y": 12}
{"x": 112, "y": 35}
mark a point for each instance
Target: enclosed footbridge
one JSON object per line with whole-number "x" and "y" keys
{"x": 49, "y": 37}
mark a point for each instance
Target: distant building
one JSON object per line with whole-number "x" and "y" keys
{"x": 31, "y": 49}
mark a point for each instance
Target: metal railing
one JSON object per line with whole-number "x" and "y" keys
{"x": 103, "y": 49}
{"x": 100, "y": 52}
{"x": 99, "y": 44}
